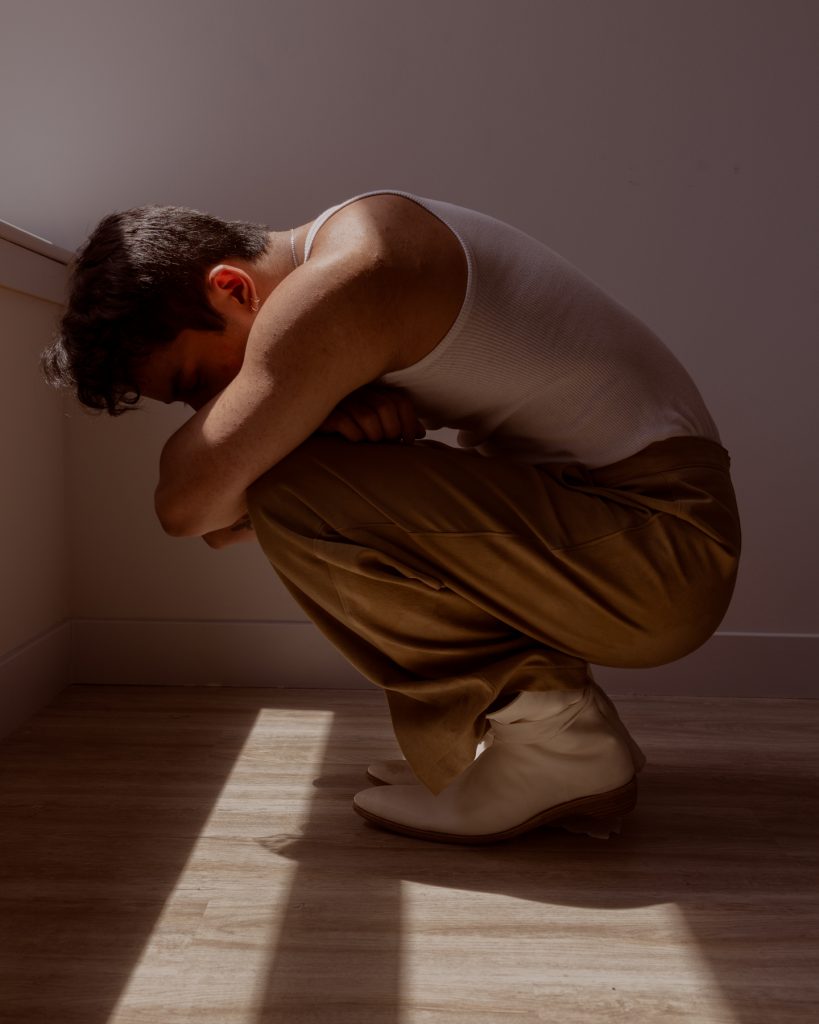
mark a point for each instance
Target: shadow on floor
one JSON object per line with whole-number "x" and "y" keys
{"x": 102, "y": 797}
{"x": 732, "y": 850}
{"x": 106, "y": 792}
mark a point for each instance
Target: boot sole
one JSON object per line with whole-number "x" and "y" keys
{"x": 613, "y": 804}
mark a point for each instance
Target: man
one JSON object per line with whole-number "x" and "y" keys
{"x": 588, "y": 515}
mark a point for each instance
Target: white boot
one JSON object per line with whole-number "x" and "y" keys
{"x": 557, "y": 754}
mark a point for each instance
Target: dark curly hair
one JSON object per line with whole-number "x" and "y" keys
{"x": 137, "y": 281}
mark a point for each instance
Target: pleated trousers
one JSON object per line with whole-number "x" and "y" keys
{"x": 450, "y": 579}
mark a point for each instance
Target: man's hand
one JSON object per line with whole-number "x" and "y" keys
{"x": 374, "y": 413}
{"x": 241, "y": 530}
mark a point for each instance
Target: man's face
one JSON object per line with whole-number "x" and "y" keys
{"x": 194, "y": 367}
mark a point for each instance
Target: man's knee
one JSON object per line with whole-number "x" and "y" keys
{"x": 292, "y": 477}
{"x": 296, "y": 464}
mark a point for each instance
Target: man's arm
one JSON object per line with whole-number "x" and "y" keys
{"x": 372, "y": 413}
{"x": 329, "y": 328}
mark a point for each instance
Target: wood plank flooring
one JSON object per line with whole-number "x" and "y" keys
{"x": 189, "y": 856}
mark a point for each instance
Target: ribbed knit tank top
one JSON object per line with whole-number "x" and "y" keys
{"x": 541, "y": 365}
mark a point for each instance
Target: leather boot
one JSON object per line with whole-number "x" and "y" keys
{"x": 555, "y": 755}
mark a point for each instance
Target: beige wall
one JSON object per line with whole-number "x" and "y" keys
{"x": 34, "y": 632}
{"x": 125, "y": 566}
{"x": 660, "y": 147}
{"x": 33, "y": 543}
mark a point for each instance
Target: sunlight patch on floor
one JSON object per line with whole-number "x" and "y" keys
{"x": 214, "y": 941}
{"x": 585, "y": 960}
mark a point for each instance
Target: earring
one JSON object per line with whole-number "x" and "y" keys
{"x": 254, "y": 305}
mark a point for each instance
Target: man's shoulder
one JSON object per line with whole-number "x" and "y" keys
{"x": 426, "y": 267}
{"x": 401, "y": 230}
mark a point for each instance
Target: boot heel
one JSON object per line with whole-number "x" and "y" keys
{"x": 613, "y": 804}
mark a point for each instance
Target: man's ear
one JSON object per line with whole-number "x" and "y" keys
{"x": 227, "y": 283}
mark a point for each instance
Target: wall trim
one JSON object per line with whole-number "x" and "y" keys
{"x": 34, "y": 243}
{"x": 295, "y": 654}
{"x": 33, "y": 265}
{"x": 32, "y": 675}
{"x": 24, "y": 271}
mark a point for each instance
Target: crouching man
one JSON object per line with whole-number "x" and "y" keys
{"x": 587, "y": 515}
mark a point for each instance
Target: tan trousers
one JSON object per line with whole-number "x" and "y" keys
{"x": 449, "y": 578}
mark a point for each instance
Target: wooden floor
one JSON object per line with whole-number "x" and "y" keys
{"x": 190, "y": 855}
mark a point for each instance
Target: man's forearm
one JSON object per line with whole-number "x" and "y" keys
{"x": 182, "y": 506}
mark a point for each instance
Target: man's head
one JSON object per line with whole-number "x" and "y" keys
{"x": 160, "y": 299}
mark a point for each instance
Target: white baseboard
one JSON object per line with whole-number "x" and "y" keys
{"x": 32, "y": 675}
{"x": 296, "y": 654}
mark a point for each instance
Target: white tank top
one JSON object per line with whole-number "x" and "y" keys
{"x": 541, "y": 365}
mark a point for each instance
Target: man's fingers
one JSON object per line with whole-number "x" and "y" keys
{"x": 375, "y": 414}
{"x": 386, "y": 409}
{"x": 340, "y": 423}
{"x": 241, "y": 530}
{"x": 411, "y": 427}
{"x": 376, "y": 418}
{"x": 396, "y": 414}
